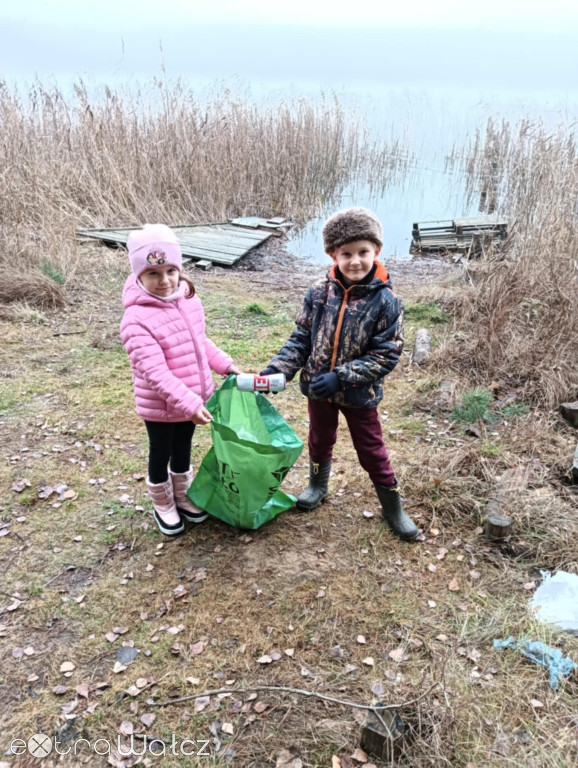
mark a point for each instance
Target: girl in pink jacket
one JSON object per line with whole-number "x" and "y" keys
{"x": 163, "y": 331}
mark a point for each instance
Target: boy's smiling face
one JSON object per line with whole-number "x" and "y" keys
{"x": 356, "y": 259}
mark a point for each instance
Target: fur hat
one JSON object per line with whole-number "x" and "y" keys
{"x": 350, "y": 225}
{"x": 153, "y": 246}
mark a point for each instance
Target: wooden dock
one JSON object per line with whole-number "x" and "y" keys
{"x": 470, "y": 236}
{"x": 221, "y": 243}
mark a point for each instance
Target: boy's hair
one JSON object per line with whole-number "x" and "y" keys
{"x": 350, "y": 225}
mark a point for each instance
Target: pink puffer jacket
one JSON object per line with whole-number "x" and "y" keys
{"x": 170, "y": 356}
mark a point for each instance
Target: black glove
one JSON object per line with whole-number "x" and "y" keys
{"x": 268, "y": 371}
{"x": 325, "y": 385}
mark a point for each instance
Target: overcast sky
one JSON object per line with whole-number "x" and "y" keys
{"x": 529, "y": 44}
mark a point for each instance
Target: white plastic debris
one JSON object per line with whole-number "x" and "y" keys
{"x": 556, "y": 600}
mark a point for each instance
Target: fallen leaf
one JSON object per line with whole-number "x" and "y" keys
{"x": 197, "y": 648}
{"x": 536, "y": 703}
{"x": 289, "y": 651}
{"x": 359, "y": 756}
{"x": 259, "y": 707}
{"x": 264, "y": 659}
{"x": 201, "y": 703}
{"x": 368, "y": 661}
{"x": 442, "y": 552}
{"x": 142, "y": 682}
{"x": 111, "y": 637}
{"x": 432, "y": 568}
{"x": 431, "y": 603}
{"x": 454, "y": 585}
{"x": 361, "y": 639}
{"x": 17, "y": 653}
{"x": 193, "y": 680}
{"x": 83, "y": 690}
{"x": 397, "y": 654}
{"x": 67, "y": 666}
{"x": 20, "y": 485}
{"x": 118, "y": 667}
{"x": 126, "y": 728}
{"x": 120, "y": 630}
{"x": 148, "y": 719}
{"x": 530, "y": 585}
{"x": 320, "y": 594}
{"x": 335, "y": 762}
{"x": 378, "y": 689}
{"x": 228, "y": 728}
{"x": 59, "y": 690}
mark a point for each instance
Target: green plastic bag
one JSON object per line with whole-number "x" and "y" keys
{"x": 253, "y": 449}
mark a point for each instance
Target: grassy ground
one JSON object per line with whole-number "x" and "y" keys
{"x": 338, "y": 605}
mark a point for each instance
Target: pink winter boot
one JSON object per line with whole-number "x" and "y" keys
{"x": 185, "y": 507}
{"x": 165, "y": 514}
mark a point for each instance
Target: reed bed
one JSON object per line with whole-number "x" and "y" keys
{"x": 127, "y": 156}
{"x": 522, "y": 309}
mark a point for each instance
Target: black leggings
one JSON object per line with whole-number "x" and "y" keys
{"x": 169, "y": 441}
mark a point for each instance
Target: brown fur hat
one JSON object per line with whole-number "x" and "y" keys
{"x": 350, "y": 225}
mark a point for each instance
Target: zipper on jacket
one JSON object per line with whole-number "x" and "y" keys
{"x": 339, "y": 324}
{"x": 196, "y": 346}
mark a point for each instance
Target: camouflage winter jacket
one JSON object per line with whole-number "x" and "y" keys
{"x": 356, "y": 332}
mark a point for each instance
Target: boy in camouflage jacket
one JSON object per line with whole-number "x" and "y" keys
{"x": 348, "y": 336}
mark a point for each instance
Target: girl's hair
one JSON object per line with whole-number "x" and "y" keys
{"x": 191, "y": 287}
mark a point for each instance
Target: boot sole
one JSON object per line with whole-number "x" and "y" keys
{"x": 168, "y": 530}
{"x": 200, "y": 518}
{"x": 305, "y": 508}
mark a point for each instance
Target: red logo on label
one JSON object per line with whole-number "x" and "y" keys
{"x": 261, "y": 384}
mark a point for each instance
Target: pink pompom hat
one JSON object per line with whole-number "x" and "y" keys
{"x": 155, "y": 245}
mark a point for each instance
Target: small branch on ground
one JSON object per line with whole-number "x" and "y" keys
{"x": 299, "y": 691}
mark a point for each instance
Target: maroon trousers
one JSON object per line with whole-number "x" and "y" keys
{"x": 365, "y": 429}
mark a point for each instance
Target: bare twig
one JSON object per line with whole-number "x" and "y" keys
{"x": 300, "y": 692}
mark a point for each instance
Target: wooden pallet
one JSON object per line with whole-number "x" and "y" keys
{"x": 221, "y": 243}
{"x": 467, "y": 235}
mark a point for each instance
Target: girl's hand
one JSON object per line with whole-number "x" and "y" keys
{"x": 232, "y": 369}
{"x": 202, "y": 416}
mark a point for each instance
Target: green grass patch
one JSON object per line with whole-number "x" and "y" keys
{"x": 51, "y": 271}
{"x": 424, "y": 314}
{"x": 475, "y": 406}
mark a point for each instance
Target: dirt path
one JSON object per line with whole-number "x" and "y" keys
{"x": 327, "y": 602}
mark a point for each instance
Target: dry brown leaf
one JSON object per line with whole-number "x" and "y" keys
{"x": 148, "y": 719}
{"x": 264, "y": 659}
{"x": 454, "y": 585}
{"x": 368, "y": 661}
{"x": 201, "y": 703}
{"x": 83, "y": 690}
{"x": 126, "y": 728}
{"x": 397, "y": 654}
{"x": 67, "y": 666}
{"x": 359, "y": 756}
{"x": 197, "y": 648}
{"x": 259, "y": 707}
{"x": 228, "y": 728}
{"x": 361, "y": 639}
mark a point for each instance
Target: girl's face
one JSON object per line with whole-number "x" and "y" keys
{"x": 161, "y": 281}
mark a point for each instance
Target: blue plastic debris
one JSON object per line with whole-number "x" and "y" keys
{"x": 542, "y": 654}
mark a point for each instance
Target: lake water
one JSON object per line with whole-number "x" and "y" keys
{"x": 428, "y": 123}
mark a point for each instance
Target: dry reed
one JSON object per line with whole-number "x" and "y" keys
{"x": 523, "y": 304}
{"x": 126, "y": 157}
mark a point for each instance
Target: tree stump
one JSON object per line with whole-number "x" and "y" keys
{"x": 382, "y": 739}
{"x": 422, "y": 347}
{"x": 508, "y": 490}
{"x": 498, "y": 527}
{"x": 569, "y": 411}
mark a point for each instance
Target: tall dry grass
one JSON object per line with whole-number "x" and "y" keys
{"x": 522, "y": 309}
{"x": 125, "y": 157}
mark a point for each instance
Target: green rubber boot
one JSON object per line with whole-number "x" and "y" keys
{"x": 317, "y": 489}
{"x": 393, "y": 513}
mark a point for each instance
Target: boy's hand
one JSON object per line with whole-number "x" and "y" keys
{"x": 202, "y": 416}
{"x": 268, "y": 371}
{"x": 325, "y": 385}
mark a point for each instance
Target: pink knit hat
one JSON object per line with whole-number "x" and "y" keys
{"x": 153, "y": 246}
